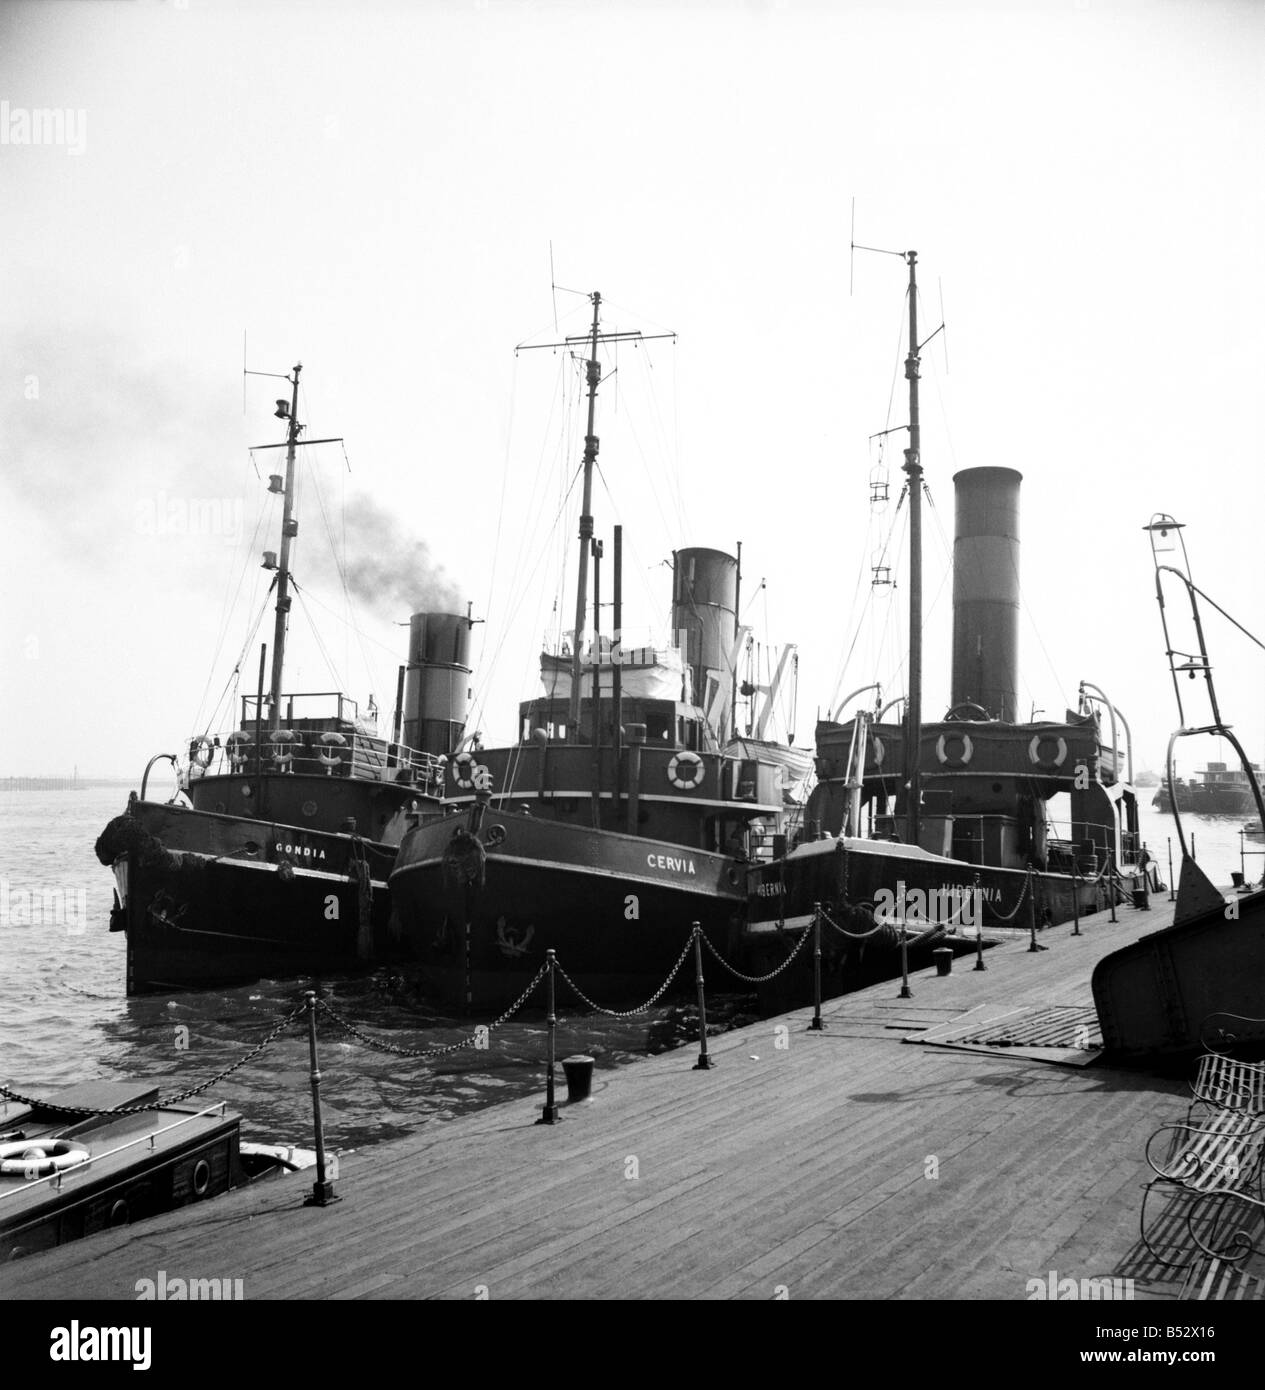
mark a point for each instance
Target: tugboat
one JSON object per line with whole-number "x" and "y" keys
{"x": 937, "y": 826}
{"x": 1155, "y": 996}
{"x": 1216, "y": 790}
{"x": 272, "y": 859}
{"x": 626, "y": 810}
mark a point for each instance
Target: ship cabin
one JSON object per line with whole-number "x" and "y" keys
{"x": 658, "y": 772}
{"x": 986, "y": 785}
{"x": 323, "y": 766}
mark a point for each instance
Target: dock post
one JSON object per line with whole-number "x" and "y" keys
{"x": 1076, "y": 900}
{"x": 979, "y": 927}
{"x": 1172, "y": 891}
{"x": 816, "y": 1025}
{"x": 1111, "y": 886}
{"x": 549, "y": 1115}
{"x": 704, "y": 1062}
{"x": 322, "y": 1189}
{"x": 1032, "y": 914}
{"x": 905, "y": 991}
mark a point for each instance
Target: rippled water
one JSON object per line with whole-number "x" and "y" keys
{"x": 67, "y": 1019}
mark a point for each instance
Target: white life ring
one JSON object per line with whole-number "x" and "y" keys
{"x": 1034, "y": 751}
{"x": 238, "y": 745}
{"x": 690, "y": 763}
{"x": 36, "y": 1158}
{"x": 332, "y": 740}
{"x": 463, "y": 770}
{"x": 201, "y": 751}
{"x": 283, "y": 742}
{"x": 953, "y": 758}
{"x": 875, "y": 752}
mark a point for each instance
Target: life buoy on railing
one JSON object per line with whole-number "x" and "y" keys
{"x": 333, "y": 741}
{"x": 950, "y": 754}
{"x": 238, "y": 746}
{"x": 463, "y": 770}
{"x": 201, "y": 751}
{"x": 1039, "y": 759}
{"x": 283, "y": 741}
{"x": 685, "y": 771}
{"x": 35, "y": 1158}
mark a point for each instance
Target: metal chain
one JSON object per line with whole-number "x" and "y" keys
{"x": 1023, "y": 893}
{"x": 759, "y": 979}
{"x": 641, "y": 1008}
{"x": 169, "y": 1100}
{"x": 472, "y": 1041}
{"x": 852, "y": 935}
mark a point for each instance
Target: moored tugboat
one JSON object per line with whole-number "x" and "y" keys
{"x": 273, "y": 857}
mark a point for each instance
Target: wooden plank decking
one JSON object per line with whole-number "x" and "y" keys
{"x": 847, "y": 1164}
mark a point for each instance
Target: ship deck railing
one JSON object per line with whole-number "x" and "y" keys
{"x": 360, "y": 755}
{"x": 219, "y": 1108}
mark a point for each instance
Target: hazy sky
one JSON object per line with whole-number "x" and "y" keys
{"x": 372, "y": 189}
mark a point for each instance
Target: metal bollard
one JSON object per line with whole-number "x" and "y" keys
{"x": 816, "y": 1026}
{"x": 322, "y": 1189}
{"x": 549, "y": 1115}
{"x": 704, "y": 1062}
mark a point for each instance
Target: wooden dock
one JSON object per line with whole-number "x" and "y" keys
{"x": 845, "y": 1164}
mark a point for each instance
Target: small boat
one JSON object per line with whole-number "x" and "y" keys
{"x": 628, "y": 808}
{"x": 917, "y": 825}
{"x": 1253, "y": 830}
{"x": 272, "y": 858}
{"x": 84, "y": 1160}
{"x": 1215, "y": 790}
{"x": 1197, "y": 983}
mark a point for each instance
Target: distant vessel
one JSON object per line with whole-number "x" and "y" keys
{"x": 273, "y": 859}
{"x": 1156, "y": 996}
{"x": 627, "y": 808}
{"x": 1216, "y": 790}
{"x": 932, "y": 824}
{"x": 65, "y": 1175}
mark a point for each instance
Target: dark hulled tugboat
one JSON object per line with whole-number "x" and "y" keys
{"x": 936, "y": 826}
{"x": 625, "y": 810}
{"x": 273, "y": 858}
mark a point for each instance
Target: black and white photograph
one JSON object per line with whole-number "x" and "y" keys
{"x": 632, "y": 667}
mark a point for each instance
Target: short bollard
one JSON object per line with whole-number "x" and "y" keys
{"x": 943, "y": 957}
{"x": 816, "y": 1026}
{"x": 704, "y": 1062}
{"x": 579, "y": 1074}
{"x": 549, "y": 1115}
{"x": 322, "y": 1189}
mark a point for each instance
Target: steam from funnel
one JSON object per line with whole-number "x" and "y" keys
{"x": 389, "y": 569}
{"x": 986, "y": 590}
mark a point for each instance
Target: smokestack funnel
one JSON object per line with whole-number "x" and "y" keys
{"x": 437, "y": 685}
{"x": 704, "y": 603}
{"x": 986, "y": 590}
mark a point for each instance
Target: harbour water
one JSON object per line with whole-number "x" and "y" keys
{"x": 67, "y": 1018}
